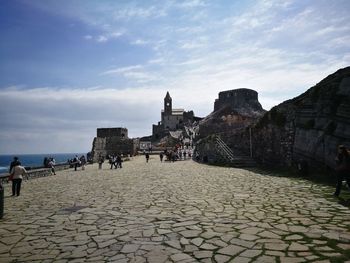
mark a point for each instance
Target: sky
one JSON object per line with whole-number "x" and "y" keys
{"x": 69, "y": 67}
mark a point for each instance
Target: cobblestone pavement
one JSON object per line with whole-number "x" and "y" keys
{"x": 172, "y": 212}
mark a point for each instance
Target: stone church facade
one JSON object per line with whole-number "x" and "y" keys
{"x": 171, "y": 119}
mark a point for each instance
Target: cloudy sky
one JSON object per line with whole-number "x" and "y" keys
{"x": 70, "y": 66}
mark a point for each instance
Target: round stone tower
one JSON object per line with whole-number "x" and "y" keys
{"x": 238, "y": 99}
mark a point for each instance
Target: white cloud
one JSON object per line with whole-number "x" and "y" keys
{"x": 101, "y": 39}
{"x": 138, "y": 12}
{"x": 157, "y": 61}
{"x": 139, "y": 42}
{"x": 189, "y": 4}
{"x": 106, "y": 36}
{"x": 191, "y": 45}
{"x": 136, "y": 73}
{"x": 279, "y": 48}
{"x": 122, "y": 70}
{"x": 54, "y": 118}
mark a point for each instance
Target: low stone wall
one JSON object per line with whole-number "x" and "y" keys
{"x": 35, "y": 172}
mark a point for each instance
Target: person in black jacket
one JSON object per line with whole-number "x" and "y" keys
{"x": 13, "y": 163}
{"x": 119, "y": 161}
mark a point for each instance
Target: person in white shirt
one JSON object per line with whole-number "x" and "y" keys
{"x": 18, "y": 172}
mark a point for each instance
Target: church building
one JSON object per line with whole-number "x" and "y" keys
{"x": 171, "y": 119}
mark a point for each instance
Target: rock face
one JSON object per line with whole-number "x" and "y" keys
{"x": 233, "y": 110}
{"x": 307, "y": 128}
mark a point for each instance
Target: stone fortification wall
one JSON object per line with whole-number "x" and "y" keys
{"x": 235, "y": 109}
{"x": 173, "y": 122}
{"x": 158, "y": 131}
{"x": 112, "y": 132}
{"x": 113, "y": 145}
{"x": 111, "y": 141}
{"x": 238, "y": 99}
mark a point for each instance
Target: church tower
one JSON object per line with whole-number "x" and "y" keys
{"x": 168, "y": 109}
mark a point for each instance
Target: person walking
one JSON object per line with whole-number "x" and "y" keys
{"x": 17, "y": 172}
{"x": 100, "y": 161}
{"x": 51, "y": 165}
{"x": 119, "y": 161}
{"x": 83, "y": 162}
{"x": 111, "y": 161}
{"x": 161, "y": 157}
{"x": 76, "y": 162}
{"x": 342, "y": 169}
{"x": 147, "y": 157}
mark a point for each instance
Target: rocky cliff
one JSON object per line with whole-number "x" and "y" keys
{"x": 307, "y": 128}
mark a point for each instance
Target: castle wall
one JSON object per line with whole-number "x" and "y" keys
{"x": 158, "y": 131}
{"x": 112, "y": 132}
{"x": 173, "y": 122}
{"x": 238, "y": 98}
{"x": 188, "y": 116}
{"x": 112, "y": 146}
{"x": 112, "y": 141}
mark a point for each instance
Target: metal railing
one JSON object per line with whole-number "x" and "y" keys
{"x": 224, "y": 150}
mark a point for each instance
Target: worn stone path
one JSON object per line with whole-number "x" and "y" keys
{"x": 172, "y": 212}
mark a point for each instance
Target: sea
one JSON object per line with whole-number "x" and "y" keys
{"x": 34, "y": 160}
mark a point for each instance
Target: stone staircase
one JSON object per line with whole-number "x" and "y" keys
{"x": 228, "y": 156}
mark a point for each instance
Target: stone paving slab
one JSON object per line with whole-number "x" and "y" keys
{"x": 172, "y": 212}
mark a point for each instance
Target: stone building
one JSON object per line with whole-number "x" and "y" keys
{"x": 233, "y": 110}
{"x": 112, "y": 132}
{"x": 240, "y": 99}
{"x": 111, "y": 141}
{"x": 171, "y": 119}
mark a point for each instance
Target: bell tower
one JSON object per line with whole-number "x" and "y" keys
{"x": 168, "y": 109}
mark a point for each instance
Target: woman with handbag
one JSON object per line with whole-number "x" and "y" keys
{"x": 343, "y": 168}
{"x": 17, "y": 172}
